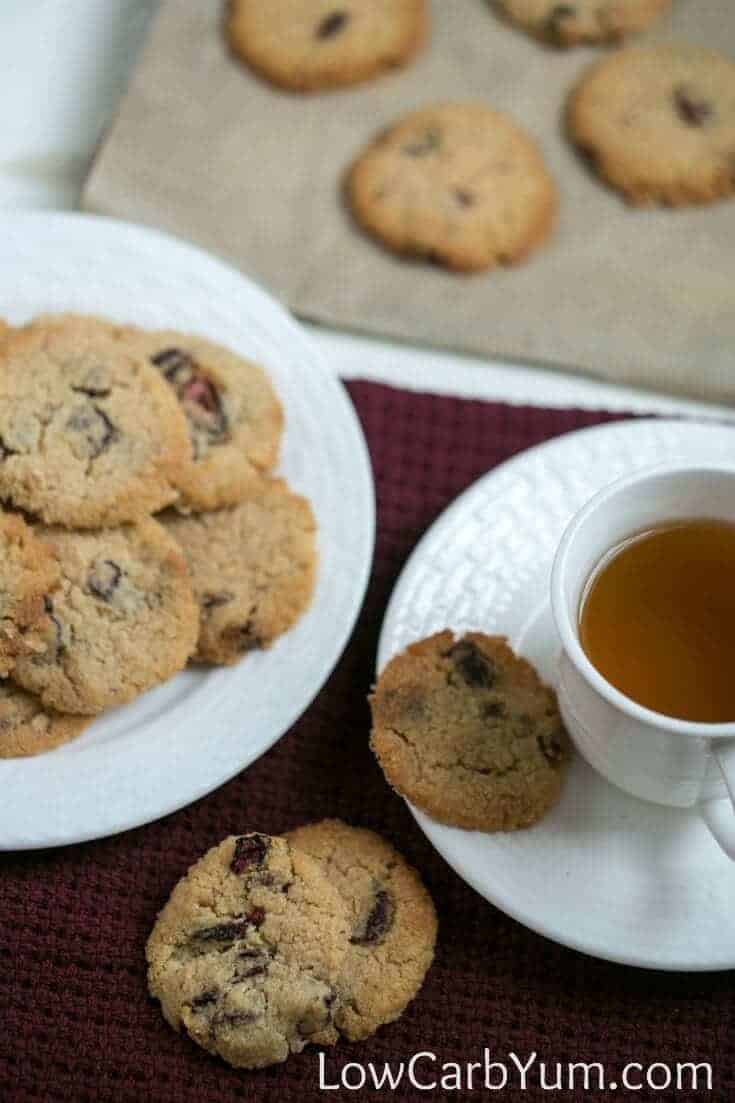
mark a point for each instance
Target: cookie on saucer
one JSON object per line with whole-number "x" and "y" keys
{"x": 392, "y": 920}
{"x": 456, "y": 183}
{"x": 307, "y": 45}
{"x": 245, "y": 955}
{"x": 658, "y": 123}
{"x": 466, "y": 730}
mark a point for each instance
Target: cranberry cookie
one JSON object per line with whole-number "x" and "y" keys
{"x": 305, "y": 45}
{"x": 28, "y": 573}
{"x": 89, "y": 433}
{"x": 246, "y": 953}
{"x": 28, "y": 728}
{"x": 122, "y": 620}
{"x": 465, "y": 729}
{"x": 392, "y": 919}
{"x": 658, "y": 123}
{"x": 253, "y": 568}
{"x": 234, "y": 417}
{"x": 458, "y": 184}
{"x": 569, "y": 24}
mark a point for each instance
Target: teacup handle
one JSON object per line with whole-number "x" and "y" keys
{"x": 719, "y": 814}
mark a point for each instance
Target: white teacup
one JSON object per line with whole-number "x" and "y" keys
{"x": 654, "y": 757}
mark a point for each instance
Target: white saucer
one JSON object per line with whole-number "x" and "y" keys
{"x": 603, "y": 873}
{"x": 185, "y": 738}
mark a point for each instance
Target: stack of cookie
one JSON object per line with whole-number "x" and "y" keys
{"x": 101, "y": 427}
{"x": 271, "y": 943}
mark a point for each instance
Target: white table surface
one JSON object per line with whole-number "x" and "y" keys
{"x": 63, "y": 65}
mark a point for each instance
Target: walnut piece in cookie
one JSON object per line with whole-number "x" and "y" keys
{"x": 456, "y": 183}
{"x": 253, "y": 568}
{"x": 90, "y": 434}
{"x": 28, "y": 728}
{"x": 123, "y": 618}
{"x": 307, "y": 45}
{"x": 246, "y": 953}
{"x": 658, "y": 123}
{"x": 28, "y": 574}
{"x": 234, "y": 418}
{"x": 466, "y": 730}
{"x": 393, "y": 924}
{"x": 580, "y": 21}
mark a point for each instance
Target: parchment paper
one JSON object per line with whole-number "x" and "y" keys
{"x": 203, "y": 148}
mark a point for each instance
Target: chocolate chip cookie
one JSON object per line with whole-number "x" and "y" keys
{"x": 122, "y": 620}
{"x": 305, "y": 45}
{"x": 28, "y": 574}
{"x": 392, "y": 919}
{"x": 253, "y": 568}
{"x": 27, "y": 728}
{"x": 569, "y": 24}
{"x": 245, "y": 955}
{"x": 658, "y": 123}
{"x": 89, "y": 432}
{"x": 234, "y": 417}
{"x": 465, "y": 729}
{"x": 456, "y": 183}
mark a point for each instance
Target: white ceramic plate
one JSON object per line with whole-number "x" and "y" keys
{"x": 603, "y": 873}
{"x": 185, "y": 738}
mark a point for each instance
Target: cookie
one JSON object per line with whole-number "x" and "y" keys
{"x": 305, "y": 45}
{"x": 245, "y": 954}
{"x": 27, "y": 728}
{"x": 89, "y": 433}
{"x": 253, "y": 568}
{"x": 658, "y": 123}
{"x": 234, "y": 418}
{"x": 28, "y": 573}
{"x": 465, "y": 729}
{"x": 583, "y": 20}
{"x": 458, "y": 184}
{"x": 392, "y": 919}
{"x": 123, "y": 619}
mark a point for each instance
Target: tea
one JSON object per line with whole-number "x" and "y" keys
{"x": 657, "y": 619}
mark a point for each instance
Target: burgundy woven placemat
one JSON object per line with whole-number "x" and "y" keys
{"x": 75, "y": 1020}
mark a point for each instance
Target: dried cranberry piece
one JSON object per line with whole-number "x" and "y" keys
{"x": 5, "y": 451}
{"x": 223, "y": 932}
{"x": 475, "y": 668}
{"x": 256, "y": 916}
{"x": 550, "y": 748}
{"x": 428, "y": 143}
{"x": 378, "y": 921}
{"x": 692, "y": 111}
{"x": 250, "y": 852}
{"x": 55, "y": 644}
{"x": 205, "y": 999}
{"x": 557, "y": 16}
{"x": 96, "y": 427}
{"x": 332, "y": 24}
{"x": 104, "y": 578}
{"x": 215, "y": 601}
{"x": 464, "y": 198}
{"x": 172, "y": 362}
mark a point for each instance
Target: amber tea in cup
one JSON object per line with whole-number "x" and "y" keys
{"x": 657, "y": 619}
